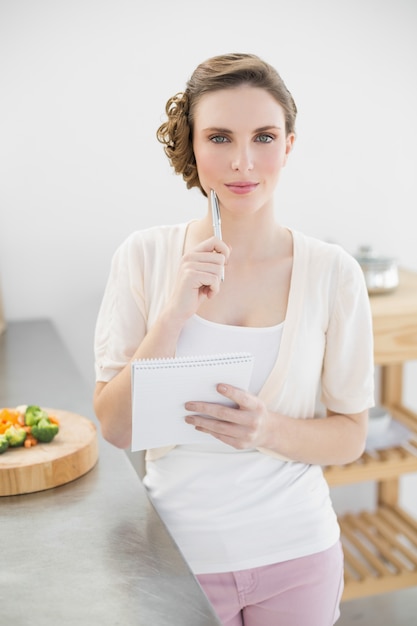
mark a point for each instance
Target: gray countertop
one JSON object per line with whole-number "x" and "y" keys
{"x": 93, "y": 551}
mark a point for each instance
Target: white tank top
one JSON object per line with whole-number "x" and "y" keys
{"x": 200, "y": 336}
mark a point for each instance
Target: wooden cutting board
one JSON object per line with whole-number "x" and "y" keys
{"x": 72, "y": 453}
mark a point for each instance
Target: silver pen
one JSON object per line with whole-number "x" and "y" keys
{"x": 217, "y": 222}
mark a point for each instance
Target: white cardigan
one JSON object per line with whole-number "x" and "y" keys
{"x": 326, "y": 350}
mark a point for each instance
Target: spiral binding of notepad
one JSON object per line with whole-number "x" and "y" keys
{"x": 194, "y": 361}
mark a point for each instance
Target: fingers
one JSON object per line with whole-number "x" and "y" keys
{"x": 202, "y": 258}
{"x": 199, "y": 277}
{"x": 239, "y": 427}
{"x": 202, "y": 267}
{"x": 204, "y": 263}
{"x": 235, "y": 436}
{"x": 243, "y": 399}
{"x": 214, "y": 244}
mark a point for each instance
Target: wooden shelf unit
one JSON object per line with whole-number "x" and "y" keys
{"x": 380, "y": 547}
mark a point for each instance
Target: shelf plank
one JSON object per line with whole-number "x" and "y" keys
{"x": 402, "y": 521}
{"x": 378, "y": 466}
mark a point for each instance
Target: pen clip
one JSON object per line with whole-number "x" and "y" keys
{"x": 215, "y": 211}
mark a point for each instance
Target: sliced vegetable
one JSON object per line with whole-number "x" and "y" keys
{"x": 8, "y": 417}
{"x": 33, "y": 414}
{"x": 44, "y": 430}
{"x": 15, "y": 436}
{"x": 30, "y": 441}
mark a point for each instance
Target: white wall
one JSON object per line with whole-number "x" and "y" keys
{"x": 83, "y": 89}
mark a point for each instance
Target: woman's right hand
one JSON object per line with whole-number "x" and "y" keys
{"x": 199, "y": 276}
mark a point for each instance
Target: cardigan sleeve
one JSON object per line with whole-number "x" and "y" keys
{"x": 121, "y": 322}
{"x": 348, "y": 372}
{"x": 142, "y": 272}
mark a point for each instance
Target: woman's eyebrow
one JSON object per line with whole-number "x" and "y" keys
{"x": 217, "y": 129}
{"x": 269, "y": 127}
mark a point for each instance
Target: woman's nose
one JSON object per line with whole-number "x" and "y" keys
{"x": 242, "y": 159}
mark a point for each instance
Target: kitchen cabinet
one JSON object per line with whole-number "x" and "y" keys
{"x": 380, "y": 545}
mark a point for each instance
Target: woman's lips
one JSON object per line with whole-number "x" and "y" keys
{"x": 241, "y": 187}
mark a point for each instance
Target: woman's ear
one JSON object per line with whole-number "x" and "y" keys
{"x": 289, "y": 142}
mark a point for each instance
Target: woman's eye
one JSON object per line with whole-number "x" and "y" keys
{"x": 264, "y": 138}
{"x": 218, "y": 139}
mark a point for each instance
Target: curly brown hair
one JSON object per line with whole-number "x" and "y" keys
{"x": 220, "y": 72}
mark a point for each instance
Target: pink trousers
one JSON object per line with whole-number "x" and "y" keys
{"x": 300, "y": 592}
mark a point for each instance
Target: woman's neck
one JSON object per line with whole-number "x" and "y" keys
{"x": 252, "y": 238}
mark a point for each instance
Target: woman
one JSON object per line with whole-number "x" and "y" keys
{"x": 250, "y": 509}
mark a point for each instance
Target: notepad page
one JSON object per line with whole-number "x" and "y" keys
{"x": 161, "y": 387}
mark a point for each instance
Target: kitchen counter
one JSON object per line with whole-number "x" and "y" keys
{"x": 93, "y": 551}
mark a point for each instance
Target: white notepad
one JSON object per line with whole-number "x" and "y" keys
{"x": 161, "y": 387}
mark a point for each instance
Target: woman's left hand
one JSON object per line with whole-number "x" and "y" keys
{"x": 245, "y": 425}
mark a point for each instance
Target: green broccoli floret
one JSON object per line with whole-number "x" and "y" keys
{"x": 34, "y": 414}
{"x": 4, "y": 444}
{"x": 44, "y": 430}
{"x": 15, "y": 436}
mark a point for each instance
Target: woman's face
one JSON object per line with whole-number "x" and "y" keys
{"x": 240, "y": 146}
